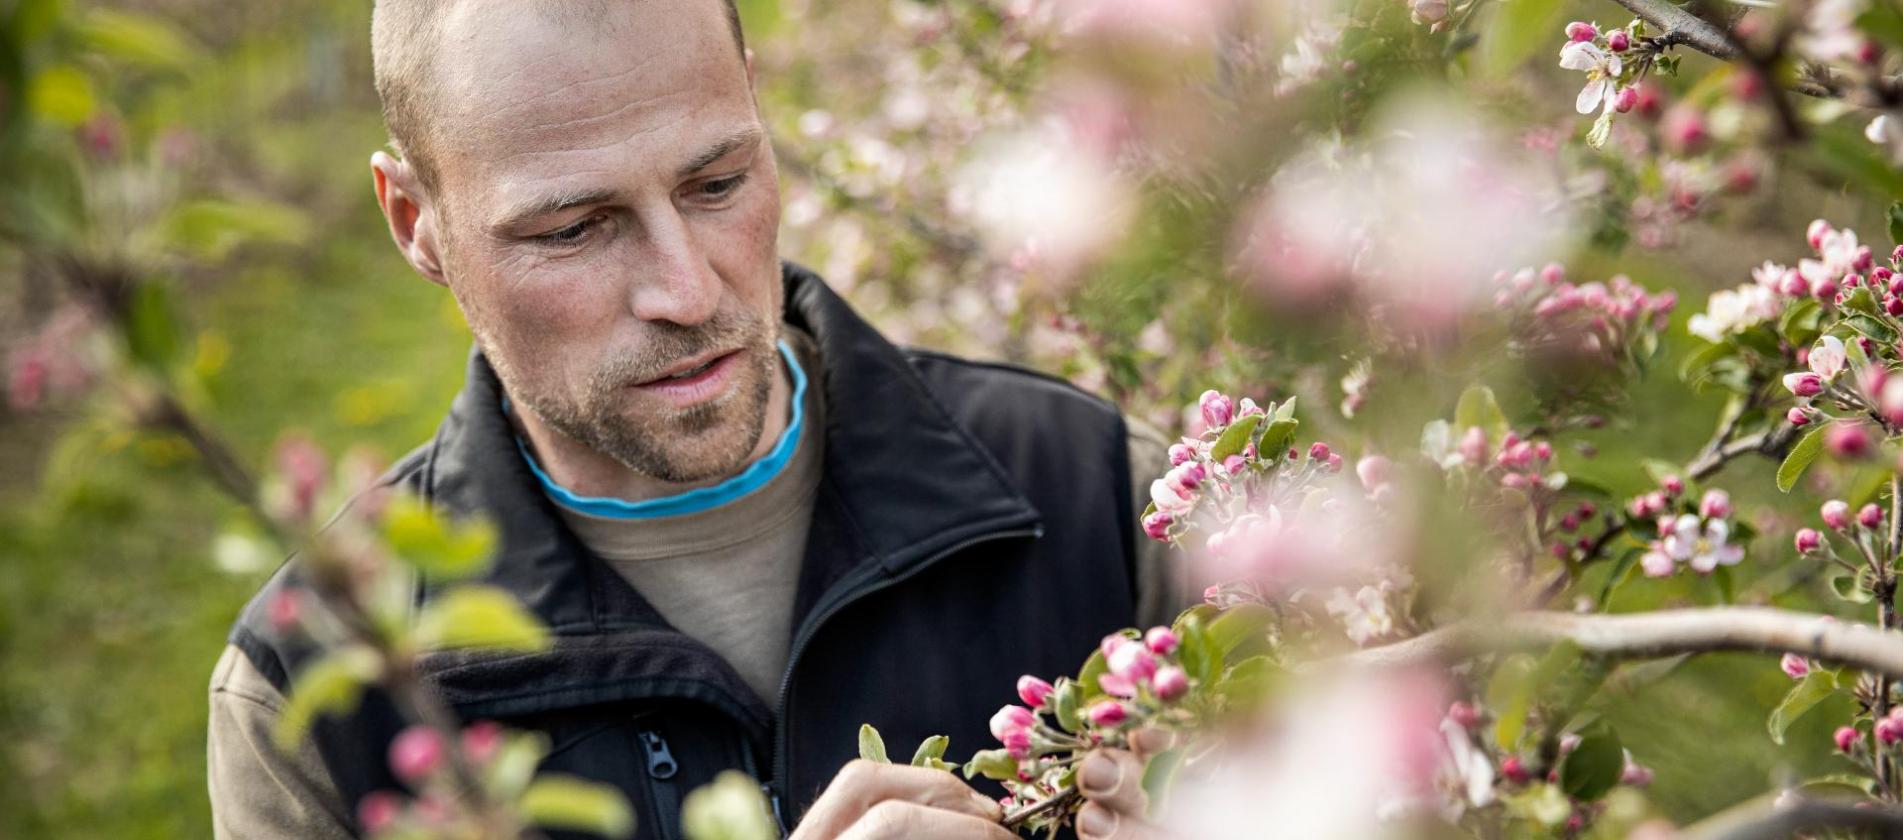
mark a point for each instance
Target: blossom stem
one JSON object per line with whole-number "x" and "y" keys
{"x": 1061, "y": 798}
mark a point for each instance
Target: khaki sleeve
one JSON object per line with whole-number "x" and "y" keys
{"x": 258, "y": 791}
{"x": 1163, "y": 578}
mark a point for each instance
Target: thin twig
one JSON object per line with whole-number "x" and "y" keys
{"x": 1058, "y": 800}
{"x": 1761, "y": 820}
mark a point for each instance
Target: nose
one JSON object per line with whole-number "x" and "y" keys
{"x": 674, "y": 281}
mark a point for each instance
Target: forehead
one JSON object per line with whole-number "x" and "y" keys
{"x": 530, "y": 92}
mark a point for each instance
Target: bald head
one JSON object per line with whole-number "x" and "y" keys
{"x": 405, "y": 39}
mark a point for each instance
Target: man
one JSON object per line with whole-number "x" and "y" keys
{"x": 751, "y": 522}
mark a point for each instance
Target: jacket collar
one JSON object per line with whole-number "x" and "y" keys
{"x": 903, "y": 482}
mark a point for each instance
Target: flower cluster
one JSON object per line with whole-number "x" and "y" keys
{"x": 1597, "y": 318}
{"x": 1600, "y": 56}
{"x": 1225, "y": 480}
{"x": 1700, "y": 539}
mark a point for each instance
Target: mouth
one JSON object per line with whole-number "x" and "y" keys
{"x": 694, "y": 380}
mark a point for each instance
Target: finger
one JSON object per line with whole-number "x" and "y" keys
{"x": 1114, "y": 779}
{"x": 896, "y": 818}
{"x": 1095, "y": 822}
{"x": 861, "y": 785}
{"x": 1150, "y": 740}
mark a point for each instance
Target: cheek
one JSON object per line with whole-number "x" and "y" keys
{"x": 536, "y": 305}
{"x": 743, "y": 244}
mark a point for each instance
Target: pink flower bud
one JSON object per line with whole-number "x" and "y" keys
{"x": 1808, "y": 540}
{"x": 1846, "y": 737}
{"x": 1870, "y": 516}
{"x": 1107, "y": 713}
{"x": 1473, "y": 446}
{"x": 1017, "y": 743}
{"x": 1849, "y": 441}
{"x": 1626, "y": 99}
{"x": 1889, "y": 730}
{"x": 1160, "y": 640}
{"x": 1672, "y": 485}
{"x": 285, "y": 610}
{"x": 1216, "y": 408}
{"x": 1171, "y": 682}
{"x": 1796, "y": 416}
{"x": 1580, "y": 30}
{"x": 1463, "y": 714}
{"x": 1619, "y": 41}
{"x": 1685, "y": 129}
{"x": 1374, "y": 471}
{"x": 1715, "y": 505}
{"x": 1132, "y": 661}
{"x": 1234, "y": 464}
{"x": 1804, "y": 384}
{"x": 1635, "y": 774}
{"x": 1009, "y": 719}
{"x": 1514, "y": 771}
{"x": 1157, "y": 526}
{"x": 1180, "y": 453}
{"x": 1333, "y": 463}
{"x": 1836, "y": 514}
{"x": 482, "y": 740}
{"x": 416, "y": 752}
{"x": 1318, "y": 451}
{"x": 378, "y": 810}
{"x": 1034, "y": 691}
{"x": 1796, "y": 667}
{"x": 1826, "y": 290}
{"x": 1814, "y": 234}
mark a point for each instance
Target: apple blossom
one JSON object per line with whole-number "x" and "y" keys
{"x": 1795, "y": 667}
{"x": 1011, "y": 718}
{"x": 1107, "y": 713}
{"x": 1715, "y": 505}
{"x": 1808, "y": 540}
{"x": 1849, "y": 441}
{"x": 1836, "y": 514}
{"x": 1170, "y": 682}
{"x": 1870, "y": 515}
{"x": 416, "y": 752}
{"x": 378, "y": 810}
{"x": 1846, "y": 737}
{"x": 1160, "y": 640}
{"x": 1619, "y": 41}
{"x": 1364, "y": 614}
{"x": 1602, "y": 71}
{"x": 1804, "y": 384}
{"x": 1033, "y": 691}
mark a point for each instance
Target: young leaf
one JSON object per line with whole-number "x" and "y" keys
{"x": 329, "y": 685}
{"x": 871, "y": 745}
{"x": 1800, "y": 458}
{"x": 1234, "y": 438}
{"x": 730, "y": 808}
{"x": 570, "y": 802}
{"x": 1593, "y": 767}
{"x": 929, "y": 750}
{"x": 1066, "y": 699}
{"x": 1808, "y": 692}
{"x": 996, "y": 764}
{"x": 479, "y": 616}
{"x": 1477, "y": 407}
{"x": 1159, "y": 776}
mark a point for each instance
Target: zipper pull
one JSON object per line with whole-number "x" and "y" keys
{"x": 660, "y": 759}
{"x": 773, "y": 799}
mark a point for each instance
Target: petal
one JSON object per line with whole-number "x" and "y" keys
{"x": 1579, "y": 55}
{"x": 1705, "y": 562}
{"x": 1656, "y": 564}
{"x": 1612, "y": 65}
{"x": 1590, "y": 96}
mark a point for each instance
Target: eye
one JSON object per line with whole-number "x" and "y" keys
{"x": 569, "y": 235}
{"x": 721, "y": 187}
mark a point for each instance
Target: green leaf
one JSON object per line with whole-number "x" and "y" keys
{"x": 330, "y": 685}
{"x": 1593, "y": 767}
{"x": 871, "y": 744}
{"x": 1159, "y": 776}
{"x": 1276, "y": 438}
{"x": 61, "y": 94}
{"x": 1510, "y": 696}
{"x": 134, "y": 38}
{"x": 1800, "y": 458}
{"x": 1620, "y": 571}
{"x": 1477, "y": 407}
{"x": 929, "y": 750}
{"x": 1238, "y": 624}
{"x": 996, "y": 764}
{"x": 479, "y": 616}
{"x": 1895, "y": 215}
{"x": 1540, "y": 803}
{"x": 151, "y": 329}
{"x": 1067, "y": 704}
{"x": 731, "y": 807}
{"x": 1286, "y": 411}
{"x": 1518, "y": 30}
{"x": 1799, "y": 323}
{"x": 1808, "y": 692}
{"x": 210, "y": 230}
{"x": 576, "y": 804}
{"x": 1849, "y": 587}
{"x": 1234, "y": 438}
{"x": 1199, "y": 653}
{"x": 1707, "y": 356}
{"x": 443, "y": 550}
{"x": 1248, "y": 680}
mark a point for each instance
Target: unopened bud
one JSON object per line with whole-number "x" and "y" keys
{"x": 416, "y": 752}
{"x": 1870, "y": 516}
{"x": 1170, "y": 682}
{"x": 1107, "y": 713}
{"x": 1619, "y": 41}
{"x": 1034, "y": 691}
{"x": 1580, "y": 30}
{"x": 1808, "y": 540}
{"x": 1836, "y": 514}
{"x": 1715, "y": 505}
{"x": 1846, "y": 737}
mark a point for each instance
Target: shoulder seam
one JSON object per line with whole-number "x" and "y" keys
{"x": 1019, "y": 370}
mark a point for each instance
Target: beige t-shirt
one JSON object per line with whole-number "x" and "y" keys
{"x": 726, "y": 576}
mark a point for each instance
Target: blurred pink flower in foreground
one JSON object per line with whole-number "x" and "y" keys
{"x": 1041, "y": 200}
{"x": 1417, "y": 217}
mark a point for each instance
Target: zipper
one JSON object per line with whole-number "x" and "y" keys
{"x": 752, "y": 766}
{"x": 782, "y": 741}
{"x": 661, "y": 768}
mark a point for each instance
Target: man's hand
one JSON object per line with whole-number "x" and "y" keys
{"x": 869, "y": 801}
{"x": 1111, "y": 781}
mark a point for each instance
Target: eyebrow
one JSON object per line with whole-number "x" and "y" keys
{"x": 720, "y": 149}
{"x": 560, "y": 201}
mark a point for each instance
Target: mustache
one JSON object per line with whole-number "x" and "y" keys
{"x": 667, "y": 344}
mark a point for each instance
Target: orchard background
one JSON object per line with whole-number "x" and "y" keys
{"x": 975, "y": 176}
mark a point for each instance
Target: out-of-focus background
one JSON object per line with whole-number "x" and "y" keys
{"x": 218, "y": 153}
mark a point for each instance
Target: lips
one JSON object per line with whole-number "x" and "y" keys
{"x": 694, "y": 381}
{"x": 688, "y": 369}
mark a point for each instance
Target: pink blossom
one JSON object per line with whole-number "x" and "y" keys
{"x": 1180, "y": 453}
{"x": 1514, "y": 771}
{"x": 1626, "y": 99}
{"x": 1846, "y": 737}
{"x": 1619, "y": 41}
{"x": 1828, "y": 358}
{"x": 1796, "y": 667}
{"x": 1011, "y": 718}
{"x": 1160, "y": 640}
{"x": 1374, "y": 471}
{"x": 1715, "y": 505}
{"x": 1580, "y": 30}
{"x": 416, "y": 752}
{"x": 1796, "y": 417}
{"x": 1216, "y": 408}
{"x": 378, "y": 810}
{"x": 482, "y": 740}
{"x": 1131, "y": 661}
{"x": 1849, "y": 441}
{"x": 1171, "y": 682}
{"x": 1804, "y": 384}
{"x": 1836, "y": 514}
{"x": 1318, "y": 451}
{"x": 1888, "y": 730}
{"x": 1157, "y": 526}
{"x": 1463, "y": 714}
{"x": 1017, "y": 743}
{"x": 1107, "y": 713}
{"x": 1808, "y": 540}
{"x": 1034, "y": 691}
{"x": 1473, "y": 445}
{"x": 1870, "y": 516}
{"x": 1672, "y": 484}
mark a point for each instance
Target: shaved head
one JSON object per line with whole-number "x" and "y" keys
{"x": 404, "y": 40}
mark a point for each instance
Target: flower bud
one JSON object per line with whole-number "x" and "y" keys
{"x": 1034, "y": 691}
{"x": 1017, "y": 743}
{"x": 1634, "y": 773}
{"x": 1171, "y": 682}
{"x": 1826, "y": 290}
{"x": 1870, "y": 516}
{"x": 1334, "y": 462}
{"x": 1216, "y": 408}
{"x": 1808, "y": 540}
{"x": 1374, "y": 471}
{"x": 1514, "y": 771}
{"x": 1473, "y": 446}
{"x": 1836, "y": 514}
{"x": 1157, "y": 526}
{"x": 1796, "y": 416}
{"x": 1160, "y": 640}
{"x": 1619, "y": 41}
{"x": 1234, "y": 464}
{"x": 1626, "y": 99}
{"x": 1796, "y": 667}
{"x": 1131, "y": 661}
{"x": 482, "y": 740}
{"x": 1814, "y": 233}
{"x": 1009, "y": 719}
{"x": 1846, "y": 737}
{"x": 1715, "y": 505}
{"x": 1849, "y": 441}
{"x": 1580, "y": 30}
{"x": 1107, "y": 713}
{"x": 1888, "y": 730}
{"x": 1672, "y": 485}
{"x": 1463, "y": 714}
{"x": 416, "y": 752}
{"x": 1318, "y": 451}
{"x": 1804, "y": 384}
{"x": 378, "y": 810}
{"x": 1179, "y": 453}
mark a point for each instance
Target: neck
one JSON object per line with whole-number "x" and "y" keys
{"x": 587, "y": 472}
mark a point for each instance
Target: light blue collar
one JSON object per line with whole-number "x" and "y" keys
{"x": 752, "y": 478}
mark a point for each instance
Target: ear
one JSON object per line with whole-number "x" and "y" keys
{"x": 749, "y": 57}
{"x": 413, "y": 219}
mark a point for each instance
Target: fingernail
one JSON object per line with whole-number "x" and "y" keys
{"x": 1096, "y": 821}
{"x": 1099, "y": 775}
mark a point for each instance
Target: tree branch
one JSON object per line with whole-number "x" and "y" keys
{"x": 1655, "y": 634}
{"x": 1761, "y": 820}
{"x": 1683, "y": 27}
